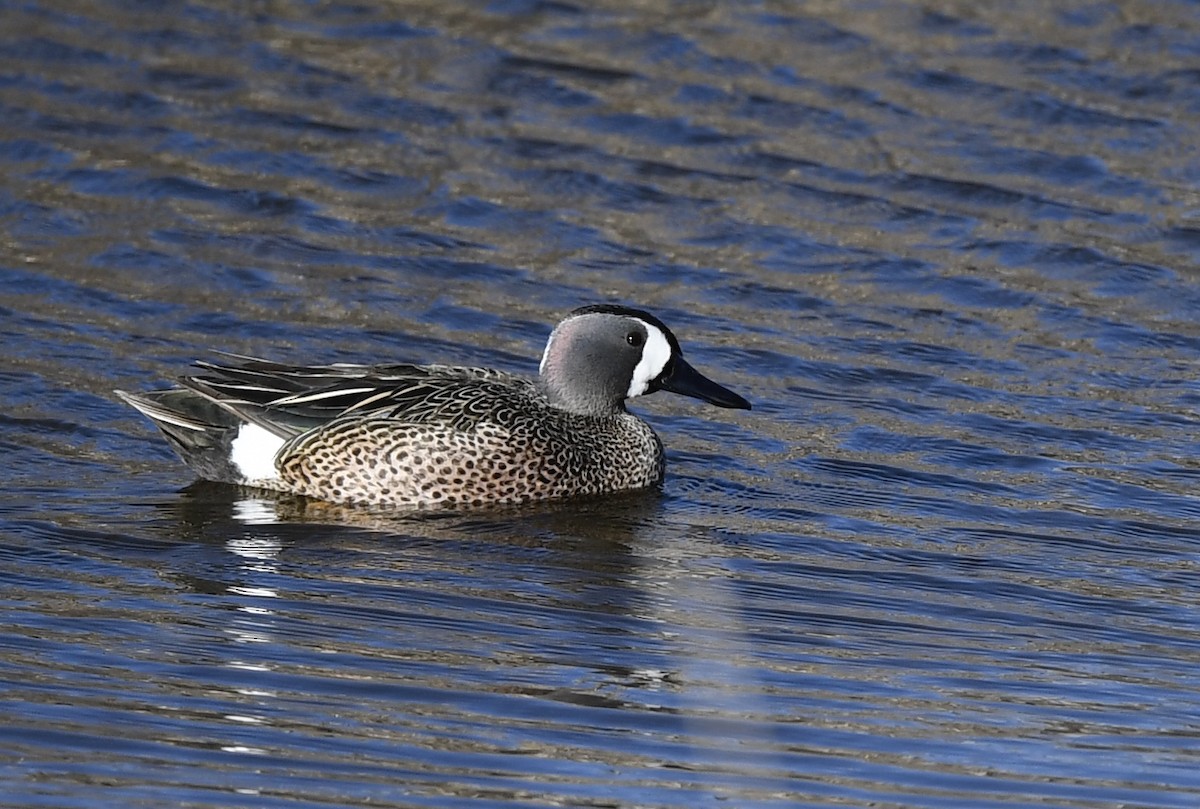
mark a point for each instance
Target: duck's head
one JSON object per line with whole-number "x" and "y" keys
{"x": 599, "y": 356}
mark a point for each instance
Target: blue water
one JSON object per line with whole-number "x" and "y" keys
{"x": 950, "y": 559}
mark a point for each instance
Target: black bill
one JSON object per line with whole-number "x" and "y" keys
{"x": 684, "y": 379}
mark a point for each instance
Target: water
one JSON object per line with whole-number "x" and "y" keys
{"x": 950, "y": 559}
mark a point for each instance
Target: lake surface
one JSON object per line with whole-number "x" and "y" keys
{"x": 950, "y": 252}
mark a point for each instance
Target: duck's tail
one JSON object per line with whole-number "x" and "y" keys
{"x": 201, "y": 432}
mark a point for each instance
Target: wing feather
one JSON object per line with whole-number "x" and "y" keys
{"x": 290, "y": 400}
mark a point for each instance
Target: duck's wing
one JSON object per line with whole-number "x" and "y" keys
{"x": 290, "y": 400}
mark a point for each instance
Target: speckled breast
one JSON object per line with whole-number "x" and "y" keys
{"x": 383, "y": 461}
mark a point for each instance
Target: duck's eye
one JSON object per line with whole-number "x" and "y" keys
{"x": 635, "y": 338}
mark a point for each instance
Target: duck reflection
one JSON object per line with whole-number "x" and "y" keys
{"x": 512, "y": 590}
{"x": 585, "y": 546}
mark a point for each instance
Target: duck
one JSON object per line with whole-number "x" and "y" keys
{"x": 429, "y": 436}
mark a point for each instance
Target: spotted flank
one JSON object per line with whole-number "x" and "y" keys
{"x": 421, "y": 436}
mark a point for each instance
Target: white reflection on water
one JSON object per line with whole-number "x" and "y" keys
{"x": 255, "y": 511}
{"x": 712, "y": 667}
{"x": 259, "y": 554}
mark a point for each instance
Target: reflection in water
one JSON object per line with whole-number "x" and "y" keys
{"x": 255, "y": 511}
{"x": 257, "y": 628}
{"x": 259, "y": 554}
{"x": 723, "y": 703}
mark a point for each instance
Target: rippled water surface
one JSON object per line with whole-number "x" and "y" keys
{"x": 949, "y": 250}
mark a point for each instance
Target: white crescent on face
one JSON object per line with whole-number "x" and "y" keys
{"x": 656, "y": 353}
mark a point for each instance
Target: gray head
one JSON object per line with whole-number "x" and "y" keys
{"x": 599, "y": 356}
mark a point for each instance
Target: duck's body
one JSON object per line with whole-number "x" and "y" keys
{"x": 431, "y": 435}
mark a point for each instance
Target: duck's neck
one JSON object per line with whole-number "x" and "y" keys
{"x": 579, "y": 400}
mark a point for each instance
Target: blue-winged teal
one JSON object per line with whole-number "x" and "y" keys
{"x": 431, "y": 435}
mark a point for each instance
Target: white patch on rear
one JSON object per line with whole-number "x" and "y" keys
{"x": 656, "y": 353}
{"x": 253, "y": 453}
